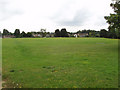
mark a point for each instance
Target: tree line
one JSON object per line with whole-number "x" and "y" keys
{"x": 16, "y": 33}
{"x": 58, "y": 33}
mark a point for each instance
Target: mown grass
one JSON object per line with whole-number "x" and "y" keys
{"x": 60, "y": 62}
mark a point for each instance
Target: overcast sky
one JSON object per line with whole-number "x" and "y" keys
{"x": 74, "y": 15}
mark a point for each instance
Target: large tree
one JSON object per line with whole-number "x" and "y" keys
{"x": 57, "y": 33}
{"x": 29, "y": 34}
{"x": 5, "y": 32}
{"x": 103, "y": 33}
{"x": 43, "y": 32}
{"x": 114, "y": 20}
{"x": 23, "y": 34}
{"x": 17, "y": 33}
{"x": 64, "y": 32}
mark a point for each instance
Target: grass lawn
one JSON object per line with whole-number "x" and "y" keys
{"x": 60, "y": 62}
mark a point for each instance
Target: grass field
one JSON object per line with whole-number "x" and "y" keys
{"x": 60, "y": 62}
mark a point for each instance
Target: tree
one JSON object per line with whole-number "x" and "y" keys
{"x": 17, "y": 33}
{"x": 23, "y": 34}
{"x": 91, "y": 33}
{"x": 64, "y": 32}
{"x": 57, "y": 33}
{"x": 29, "y": 34}
{"x": 5, "y": 32}
{"x": 114, "y": 21}
{"x": 103, "y": 33}
{"x": 43, "y": 32}
{"x": 0, "y": 34}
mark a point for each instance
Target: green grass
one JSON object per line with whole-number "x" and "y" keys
{"x": 60, "y": 62}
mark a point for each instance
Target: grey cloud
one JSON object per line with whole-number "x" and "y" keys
{"x": 100, "y": 21}
{"x": 6, "y": 12}
{"x": 79, "y": 18}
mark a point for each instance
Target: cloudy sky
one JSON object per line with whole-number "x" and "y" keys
{"x": 74, "y": 15}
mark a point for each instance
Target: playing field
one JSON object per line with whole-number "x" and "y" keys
{"x": 60, "y": 62}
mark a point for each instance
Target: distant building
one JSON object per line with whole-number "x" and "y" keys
{"x": 75, "y": 35}
{"x": 8, "y": 36}
{"x": 47, "y": 35}
{"x": 82, "y": 34}
{"x": 36, "y": 35}
{"x": 51, "y": 34}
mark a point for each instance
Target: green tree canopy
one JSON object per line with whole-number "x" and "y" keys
{"x": 57, "y": 33}
{"x": 114, "y": 21}
{"x": 5, "y": 32}
{"x": 23, "y": 34}
{"x": 17, "y": 33}
{"x": 64, "y": 32}
{"x": 103, "y": 33}
{"x": 29, "y": 34}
